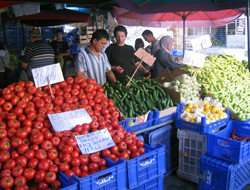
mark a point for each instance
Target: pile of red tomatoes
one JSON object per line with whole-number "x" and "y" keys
{"x": 31, "y": 152}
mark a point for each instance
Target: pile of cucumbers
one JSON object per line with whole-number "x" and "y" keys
{"x": 139, "y": 97}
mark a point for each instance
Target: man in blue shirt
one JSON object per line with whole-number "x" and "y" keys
{"x": 92, "y": 63}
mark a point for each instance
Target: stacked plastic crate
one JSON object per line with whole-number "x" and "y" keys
{"x": 227, "y": 162}
{"x": 193, "y": 144}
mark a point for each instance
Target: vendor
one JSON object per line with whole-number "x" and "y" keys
{"x": 61, "y": 49}
{"x": 37, "y": 54}
{"x": 92, "y": 63}
{"x": 164, "y": 57}
{"x": 121, "y": 56}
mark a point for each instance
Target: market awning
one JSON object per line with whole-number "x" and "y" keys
{"x": 54, "y": 18}
{"x": 175, "y": 19}
{"x": 163, "y": 6}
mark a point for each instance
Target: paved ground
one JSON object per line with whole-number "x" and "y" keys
{"x": 172, "y": 182}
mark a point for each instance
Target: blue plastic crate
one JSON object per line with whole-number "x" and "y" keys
{"x": 219, "y": 145}
{"x": 162, "y": 136}
{"x": 140, "y": 126}
{"x": 114, "y": 177}
{"x": 68, "y": 184}
{"x": 217, "y": 174}
{"x": 154, "y": 184}
{"x": 165, "y": 118}
{"x": 146, "y": 167}
{"x": 202, "y": 128}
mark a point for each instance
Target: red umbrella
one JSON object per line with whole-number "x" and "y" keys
{"x": 175, "y": 19}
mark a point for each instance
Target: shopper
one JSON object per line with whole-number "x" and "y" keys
{"x": 61, "y": 49}
{"x": 37, "y": 54}
{"x": 149, "y": 37}
{"x": 164, "y": 57}
{"x": 140, "y": 44}
{"x": 92, "y": 63}
{"x": 121, "y": 56}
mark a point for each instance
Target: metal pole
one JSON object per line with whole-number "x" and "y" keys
{"x": 248, "y": 35}
{"x": 184, "y": 25}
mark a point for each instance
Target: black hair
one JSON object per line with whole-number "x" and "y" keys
{"x": 99, "y": 34}
{"x": 147, "y": 32}
{"x": 59, "y": 31}
{"x": 138, "y": 41}
{"x": 120, "y": 28}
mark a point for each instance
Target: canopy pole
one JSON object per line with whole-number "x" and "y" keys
{"x": 184, "y": 25}
{"x": 248, "y": 35}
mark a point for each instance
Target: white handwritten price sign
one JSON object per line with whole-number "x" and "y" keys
{"x": 94, "y": 142}
{"x": 68, "y": 120}
{"x": 194, "y": 59}
{"x": 41, "y": 75}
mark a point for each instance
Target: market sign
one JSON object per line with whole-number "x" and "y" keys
{"x": 201, "y": 43}
{"x": 46, "y": 75}
{"x": 94, "y": 142}
{"x": 68, "y": 120}
{"x": 194, "y": 59}
{"x": 145, "y": 56}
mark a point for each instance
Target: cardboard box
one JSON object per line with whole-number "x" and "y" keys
{"x": 167, "y": 76}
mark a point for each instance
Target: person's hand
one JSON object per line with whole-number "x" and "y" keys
{"x": 119, "y": 69}
{"x": 181, "y": 58}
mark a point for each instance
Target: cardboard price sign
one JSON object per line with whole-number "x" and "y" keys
{"x": 68, "y": 120}
{"x": 42, "y": 74}
{"x": 145, "y": 56}
{"x": 94, "y": 142}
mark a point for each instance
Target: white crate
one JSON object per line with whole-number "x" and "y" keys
{"x": 192, "y": 146}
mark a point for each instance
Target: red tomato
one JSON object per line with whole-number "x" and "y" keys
{"x": 43, "y": 165}
{"x": 7, "y": 106}
{"x": 21, "y": 161}
{"x": 93, "y": 166}
{"x": 37, "y": 138}
{"x": 7, "y": 182}
{"x": 50, "y": 177}
{"x": 22, "y": 148}
{"x": 114, "y": 150}
{"x": 40, "y": 154}
{"x": 64, "y": 166}
{"x": 67, "y": 149}
{"x": 53, "y": 168}
{"x": 102, "y": 162}
{"x": 4, "y": 156}
{"x": 139, "y": 143}
{"x": 46, "y": 145}
{"x": 33, "y": 163}
{"x": 10, "y": 164}
{"x": 58, "y": 100}
{"x": 122, "y": 146}
{"x": 135, "y": 154}
{"x": 4, "y": 145}
{"x": 20, "y": 180}
{"x": 40, "y": 175}
{"x": 52, "y": 154}
{"x": 56, "y": 184}
{"x": 17, "y": 171}
{"x": 84, "y": 159}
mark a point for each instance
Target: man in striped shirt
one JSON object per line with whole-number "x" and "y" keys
{"x": 92, "y": 63}
{"x": 37, "y": 54}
